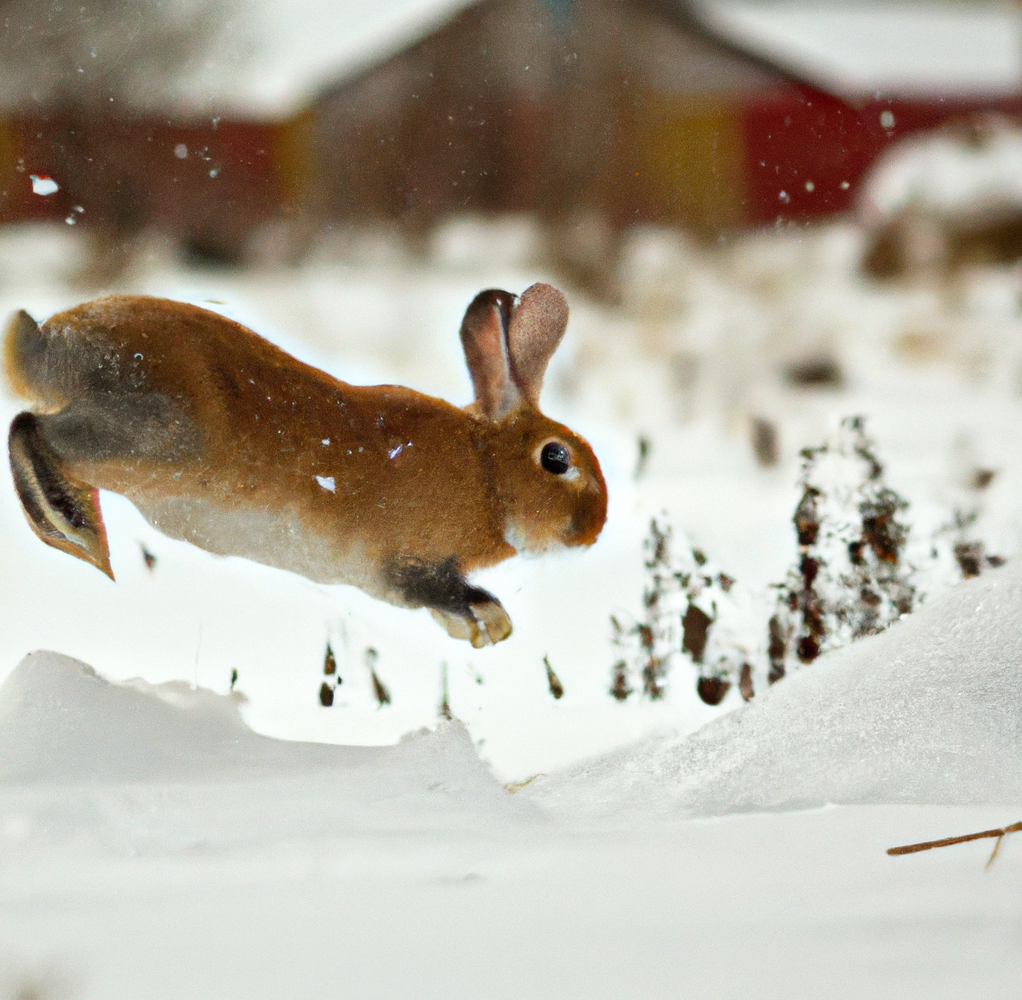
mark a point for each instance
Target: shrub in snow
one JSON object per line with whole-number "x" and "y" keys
{"x": 850, "y": 580}
{"x": 691, "y": 611}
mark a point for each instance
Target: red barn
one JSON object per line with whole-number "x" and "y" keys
{"x": 708, "y": 116}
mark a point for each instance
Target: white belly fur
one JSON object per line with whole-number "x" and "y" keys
{"x": 274, "y": 538}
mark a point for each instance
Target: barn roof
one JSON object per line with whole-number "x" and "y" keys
{"x": 276, "y": 57}
{"x": 270, "y": 59}
{"x": 909, "y": 50}
{"x": 287, "y": 52}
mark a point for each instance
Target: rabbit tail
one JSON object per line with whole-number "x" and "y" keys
{"x": 26, "y": 359}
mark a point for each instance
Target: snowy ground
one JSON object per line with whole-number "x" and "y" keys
{"x": 151, "y": 844}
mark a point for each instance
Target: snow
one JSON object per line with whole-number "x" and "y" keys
{"x": 904, "y": 49}
{"x": 929, "y": 711}
{"x": 66, "y": 727}
{"x": 43, "y": 186}
{"x": 164, "y": 832}
{"x": 154, "y": 845}
{"x": 939, "y": 172}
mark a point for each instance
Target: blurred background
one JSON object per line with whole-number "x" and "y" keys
{"x": 236, "y": 127}
{"x": 767, "y": 216}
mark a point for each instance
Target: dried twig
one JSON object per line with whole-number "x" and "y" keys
{"x": 948, "y": 841}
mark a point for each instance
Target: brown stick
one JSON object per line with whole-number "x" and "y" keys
{"x": 948, "y": 841}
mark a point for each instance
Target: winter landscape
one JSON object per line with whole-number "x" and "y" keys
{"x": 795, "y": 645}
{"x": 169, "y": 832}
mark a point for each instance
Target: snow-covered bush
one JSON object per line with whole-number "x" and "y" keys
{"x": 851, "y": 579}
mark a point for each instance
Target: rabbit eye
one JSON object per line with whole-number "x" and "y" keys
{"x": 555, "y": 458}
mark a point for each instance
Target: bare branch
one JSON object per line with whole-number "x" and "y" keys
{"x": 948, "y": 841}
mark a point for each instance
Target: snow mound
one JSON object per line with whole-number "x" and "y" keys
{"x": 928, "y": 712}
{"x": 62, "y": 724}
{"x": 949, "y": 171}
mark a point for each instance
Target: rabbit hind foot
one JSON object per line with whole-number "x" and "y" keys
{"x": 63, "y": 511}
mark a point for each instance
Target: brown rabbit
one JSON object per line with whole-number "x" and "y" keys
{"x": 223, "y": 440}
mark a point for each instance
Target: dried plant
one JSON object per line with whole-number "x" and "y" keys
{"x": 553, "y": 681}
{"x": 929, "y": 845}
{"x": 379, "y": 688}
{"x": 688, "y": 612}
{"x": 850, "y": 580}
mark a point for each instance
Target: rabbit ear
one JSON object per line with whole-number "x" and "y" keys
{"x": 537, "y": 326}
{"x": 484, "y": 336}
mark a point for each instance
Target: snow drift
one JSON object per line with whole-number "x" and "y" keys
{"x": 160, "y": 768}
{"x": 928, "y": 712}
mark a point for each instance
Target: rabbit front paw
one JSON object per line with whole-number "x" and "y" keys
{"x": 466, "y": 612}
{"x": 485, "y": 624}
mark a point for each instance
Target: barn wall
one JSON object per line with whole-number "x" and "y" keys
{"x": 513, "y": 107}
{"x": 207, "y": 184}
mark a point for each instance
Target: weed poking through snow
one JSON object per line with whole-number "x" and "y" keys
{"x": 619, "y": 686}
{"x": 691, "y": 611}
{"x": 850, "y": 580}
{"x": 969, "y": 552}
{"x": 444, "y": 709}
{"x": 333, "y": 678}
{"x": 379, "y": 688}
{"x": 553, "y": 681}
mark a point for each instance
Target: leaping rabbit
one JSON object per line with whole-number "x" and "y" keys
{"x": 223, "y": 440}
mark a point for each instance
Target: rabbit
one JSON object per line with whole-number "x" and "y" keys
{"x": 221, "y": 439}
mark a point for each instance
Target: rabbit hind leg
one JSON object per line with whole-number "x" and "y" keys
{"x": 63, "y": 511}
{"x": 466, "y": 612}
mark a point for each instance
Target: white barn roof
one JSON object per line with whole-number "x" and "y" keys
{"x": 270, "y": 58}
{"x": 899, "y": 49}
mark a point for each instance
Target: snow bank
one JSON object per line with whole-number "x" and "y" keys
{"x": 71, "y": 741}
{"x": 974, "y": 168}
{"x": 928, "y": 712}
